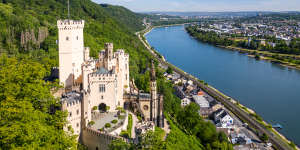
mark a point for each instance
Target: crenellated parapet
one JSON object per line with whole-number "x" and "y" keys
{"x": 102, "y": 77}
{"x": 70, "y": 24}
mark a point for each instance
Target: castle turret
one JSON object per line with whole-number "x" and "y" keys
{"x": 86, "y": 53}
{"x": 71, "y": 50}
{"x": 153, "y": 92}
{"x": 108, "y": 55}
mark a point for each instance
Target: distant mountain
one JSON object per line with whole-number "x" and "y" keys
{"x": 217, "y": 14}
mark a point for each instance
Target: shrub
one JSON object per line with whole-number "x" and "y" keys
{"x": 121, "y": 117}
{"x": 107, "y": 108}
{"x": 124, "y": 134}
{"x": 91, "y": 123}
{"x": 95, "y": 108}
{"x": 114, "y": 121}
{"x": 107, "y": 125}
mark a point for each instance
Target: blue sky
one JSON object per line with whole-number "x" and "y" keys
{"x": 206, "y": 5}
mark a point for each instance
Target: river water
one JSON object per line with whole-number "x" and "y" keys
{"x": 273, "y": 91}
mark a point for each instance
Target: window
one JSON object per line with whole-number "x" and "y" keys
{"x": 146, "y": 107}
{"x": 67, "y": 38}
{"x": 70, "y": 114}
{"x": 77, "y": 125}
{"x": 77, "y": 111}
{"x": 77, "y": 37}
{"x": 102, "y": 97}
{"x": 102, "y": 88}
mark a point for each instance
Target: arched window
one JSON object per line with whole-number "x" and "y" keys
{"x": 146, "y": 107}
{"x": 77, "y": 37}
{"x": 67, "y": 38}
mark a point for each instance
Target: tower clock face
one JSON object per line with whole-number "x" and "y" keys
{"x": 146, "y": 107}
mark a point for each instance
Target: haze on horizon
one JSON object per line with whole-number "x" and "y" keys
{"x": 206, "y": 5}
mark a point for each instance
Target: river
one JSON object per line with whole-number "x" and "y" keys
{"x": 273, "y": 91}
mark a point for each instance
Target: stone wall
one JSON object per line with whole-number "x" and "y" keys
{"x": 93, "y": 139}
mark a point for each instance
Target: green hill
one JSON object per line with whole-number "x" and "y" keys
{"x": 29, "y": 27}
{"x": 126, "y": 17}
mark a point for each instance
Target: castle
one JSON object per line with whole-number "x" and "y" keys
{"x": 101, "y": 83}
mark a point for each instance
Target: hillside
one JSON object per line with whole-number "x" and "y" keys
{"x": 29, "y": 26}
{"x": 126, "y": 17}
{"x": 28, "y": 48}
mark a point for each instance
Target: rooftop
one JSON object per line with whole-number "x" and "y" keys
{"x": 103, "y": 70}
{"x": 71, "y": 97}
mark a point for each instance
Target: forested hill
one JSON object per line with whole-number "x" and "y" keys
{"x": 29, "y": 26}
{"x": 133, "y": 21}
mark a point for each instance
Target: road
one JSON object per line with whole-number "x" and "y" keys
{"x": 276, "y": 141}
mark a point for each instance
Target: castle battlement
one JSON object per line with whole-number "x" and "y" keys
{"x": 100, "y": 77}
{"x": 70, "y": 24}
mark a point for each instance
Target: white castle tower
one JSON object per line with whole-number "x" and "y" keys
{"x": 71, "y": 50}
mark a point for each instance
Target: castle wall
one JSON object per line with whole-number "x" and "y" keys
{"x": 107, "y": 96}
{"x": 74, "y": 115}
{"x": 93, "y": 139}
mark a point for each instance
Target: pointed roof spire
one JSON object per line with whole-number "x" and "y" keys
{"x": 153, "y": 76}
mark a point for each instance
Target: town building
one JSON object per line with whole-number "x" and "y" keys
{"x": 223, "y": 119}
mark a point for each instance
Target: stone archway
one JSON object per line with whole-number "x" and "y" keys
{"x": 102, "y": 107}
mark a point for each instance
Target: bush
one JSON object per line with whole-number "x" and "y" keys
{"x": 107, "y": 108}
{"x": 107, "y": 125}
{"x": 114, "y": 121}
{"x": 264, "y": 137}
{"x": 121, "y": 117}
{"x": 95, "y": 108}
{"x": 169, "y": 70}
{"x": 91, "y": 123}
{"x": 124, "y": 134}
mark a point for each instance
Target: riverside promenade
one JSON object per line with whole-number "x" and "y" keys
{"x": 277, "y": 142}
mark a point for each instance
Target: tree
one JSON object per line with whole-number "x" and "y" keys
{"x": 169, "y": 70}
{"x": 27, "y": 118}
{"x": 264, "y": 137}
{"x": 119, "y": 145}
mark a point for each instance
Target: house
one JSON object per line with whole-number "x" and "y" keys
{"x": 215, "y": 105}
{"x": 201, "y": 101}
{"x": 185, "y": 102}
{"x": 223, "y": 119}
{"x": 179, "y": 91}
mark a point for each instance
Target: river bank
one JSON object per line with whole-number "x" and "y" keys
{"x": 266, "y": 56}
{"x": 233, "y": 101}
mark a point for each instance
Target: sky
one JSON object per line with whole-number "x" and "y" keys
{"x": 206, "y": 5}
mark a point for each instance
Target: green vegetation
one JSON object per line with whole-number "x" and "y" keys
{"x": 169, "y": 70}
{"x": 119, "y": 145}
{"x": 114, "y": 121}
{"x": 30, "y": 115}
{"x": 129, "y": 126}
{"x": 28, "y": 120}
{"x": 107, "y": 125}
{"x": 95, "y": 108}
{"x": 264, "y": 137}
{"x": 126, "y": 17}
{"x": 255, "y": 44}
{"x": 124, "y": 134}
{"x": 91, "y": 123}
